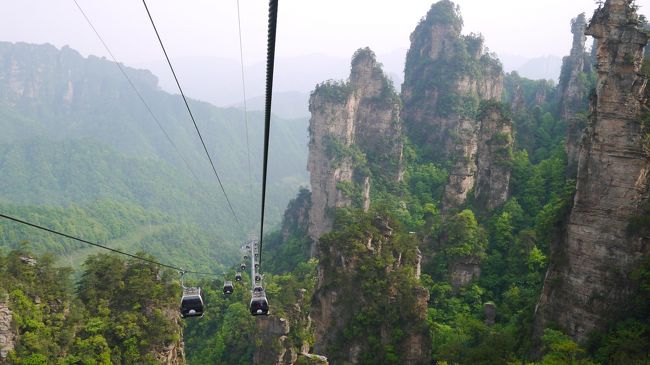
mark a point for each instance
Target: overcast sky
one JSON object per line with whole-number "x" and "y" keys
{"x": 334, "y": 27}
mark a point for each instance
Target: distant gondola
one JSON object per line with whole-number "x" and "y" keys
{"x": 238, "y": 277}
{"x": 228, "y": 287}
{"x": 242, "y": 267}
{"x": 259, "y": 305}
{"x": 192, "y": 303}
{"x": 245, "y": 257}
{"x": 257, "y": 265}
{"x": 257, "y": 277}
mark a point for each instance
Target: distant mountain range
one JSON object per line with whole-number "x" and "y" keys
{"x": 547, "y": 67}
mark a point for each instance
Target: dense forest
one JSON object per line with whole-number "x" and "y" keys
{"x": 118, "y": 312}
{"x": 431, "y": 246}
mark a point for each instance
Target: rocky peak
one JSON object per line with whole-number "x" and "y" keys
{"x": 578, "y": 26}
{"x": 587, "y": 282}
{"x": 366, "y": 74}
{"x": 435, "y": 33}
{"x": 355, "y": 131}
{"x": 447, "y": 75}
{"x": 573, "y": 90}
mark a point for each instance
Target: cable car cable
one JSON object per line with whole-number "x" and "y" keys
{"x": 16, "y": 220}
{"x": 270, "y": 61}
{"x": 187, "y": 105}
{"x": 128, "y": 79}
{"x": 243, "y": 85}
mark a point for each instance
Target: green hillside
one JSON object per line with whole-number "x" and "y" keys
{"x": 76, "y": 139}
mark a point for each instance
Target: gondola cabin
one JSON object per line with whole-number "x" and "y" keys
{"x": 238, "y": 277}
{"x": 228, "y": 287}
{"x": 192, "y": 303}
{"x": 257, "y": 265}
{"x": 257, "y": 277}
{"x": 245, "y": 257}
{"x": 259, "y": 304}
{"x": 242, "y": 267}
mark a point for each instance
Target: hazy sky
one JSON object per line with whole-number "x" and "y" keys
{"x": 333, "y": 27}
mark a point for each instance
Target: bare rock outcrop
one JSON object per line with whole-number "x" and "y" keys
{"x": 271, "y": 348}
{"x": 490, "y": 313}
{"x": 441, "y": 97}
{"x": 277, "y": 345}
{"x": 587, "y": 282}
{"x": 7, "y": 335}
{"x": 464, "y": 270}
{"x": 354, "y": 129}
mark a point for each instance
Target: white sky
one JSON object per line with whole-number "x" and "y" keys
{"x": 205, "y": 28}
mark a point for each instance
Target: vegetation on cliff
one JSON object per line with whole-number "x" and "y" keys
{"x": 118, "y": 312}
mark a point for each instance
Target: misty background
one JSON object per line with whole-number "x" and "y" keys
{"x": 314, "y": 43}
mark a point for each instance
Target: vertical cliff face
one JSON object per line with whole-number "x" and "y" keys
{"x": 587, "y": 282}
{"x": 446, "y": 77}
{"x": 272, "y": 347}
{"x": 573, "y": 90}
{"x": 354, "y": 129}
{"x": 494, "y": 157}
{"x": 296, "y": 216}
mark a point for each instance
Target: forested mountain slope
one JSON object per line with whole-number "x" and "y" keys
{"x": 74, "y": 131}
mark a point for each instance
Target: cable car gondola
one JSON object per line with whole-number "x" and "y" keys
{"x": 259, "y": 305}
{"x": 228, "y": 287}
{"x": 192, "y": 303}
{"x": 238, "y": 277}
{"x": 242, "y": 267}
{"x": 257, "y": 277}
{"x": 245, "y": 257}
{"x": 257, "y": 265}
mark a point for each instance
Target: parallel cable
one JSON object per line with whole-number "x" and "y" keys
{"x": 128, "y": 79}
{"x": 243, "y": 85}
{"x": 270, "y": 62}
{"x": 16, "y": 220}
{"x": 189, "y": 111}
